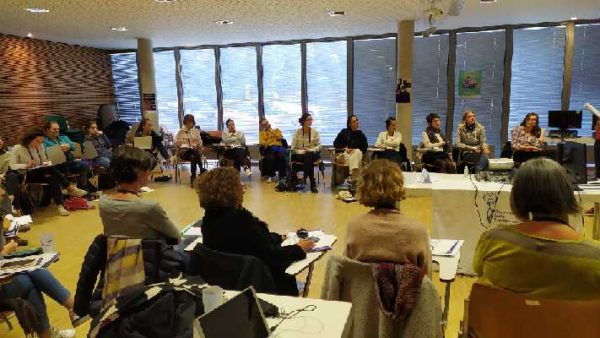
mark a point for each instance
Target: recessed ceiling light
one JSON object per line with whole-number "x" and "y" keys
{"x": 336, "y": 13}
{"x": 165, "y": 1}
{"x": 488, "y": 1}
{"x": 118, "y": 29}
{"x": 223, "y": 22}
{"x": 573, "y": 18}
{"x": 37, "y": 10}
{"x": 29, "y": 35}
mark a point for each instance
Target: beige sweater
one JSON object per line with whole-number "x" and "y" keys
{"x": 385, "y": 235}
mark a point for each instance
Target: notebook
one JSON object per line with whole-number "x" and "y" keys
{"x": 240, "y": 317}
{"x": 56, "y": 155}
{"x": 143, "y": 142}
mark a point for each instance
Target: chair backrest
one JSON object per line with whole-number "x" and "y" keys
{"x": 77, "y": 152}
{"x": 506, "y": 150}
{"x": 89, "y": 151}
{"x": 352, "y": 281}
{"x": 56, "y": 155}
{"x": 495, "y": 313}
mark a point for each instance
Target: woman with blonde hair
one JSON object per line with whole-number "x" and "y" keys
{"x": 384, "y": 234}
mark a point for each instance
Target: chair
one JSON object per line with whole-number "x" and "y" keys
{"x": 494, "y": 313}
{"x": 352, "y": 281}
{"x": 296, "y": 166}
{"x": 177, "y": 162}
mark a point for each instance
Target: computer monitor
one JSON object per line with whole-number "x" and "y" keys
{"x": 564, "y": 119}
{"x": 241, "y": 316}
{"x": 574, "y": 160}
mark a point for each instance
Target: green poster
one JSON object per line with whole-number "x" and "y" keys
{"x": 469, "y": 84}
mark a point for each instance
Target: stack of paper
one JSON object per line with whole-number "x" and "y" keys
{"x": 11, "y": 266}
{"x": 325, "y": 241}
{"x": 445, "y": 247}
{"x": 16, "y": 223}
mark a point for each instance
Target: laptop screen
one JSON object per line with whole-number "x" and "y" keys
{"x": 240, "y": 317}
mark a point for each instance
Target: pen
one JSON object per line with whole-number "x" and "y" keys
{"x": 452, "y": 247}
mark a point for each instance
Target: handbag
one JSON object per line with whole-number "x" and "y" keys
{"x": 76, "y": 203}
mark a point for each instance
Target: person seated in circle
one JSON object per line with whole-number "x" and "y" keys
{"x": 436, "y": 146}
{"x": 527, "y": 139}
{"x": 189, "y": 145}
{"x": 471, "y": 141}
{"x": 229, "y": 227}
{"x": 354, "y": 144}
{"x": 125, "y": 213}
{"x": 276, "y": 155}
{"x": 101, "y": 144}
{"x": 236, "y": 147}
{"x": 543, "y": 256}
{"x": 306, "y": 147}
{"x": 390, "y": 141}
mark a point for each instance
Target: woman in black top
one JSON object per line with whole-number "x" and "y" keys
{"x": 228, "y": 227}
{"x": 353, "y": 144}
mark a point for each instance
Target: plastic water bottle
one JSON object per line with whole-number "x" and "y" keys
{"x": 466, "y": 172}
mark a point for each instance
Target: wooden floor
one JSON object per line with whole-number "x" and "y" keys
{"x": 282, "y": 211}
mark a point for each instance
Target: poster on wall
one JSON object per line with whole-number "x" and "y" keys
{"x": 149, "y": 102}
{"x": 469, "y": 84}
{"x": 403, "y": 91}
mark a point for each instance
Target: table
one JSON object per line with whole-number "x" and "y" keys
{"x": 327, "y": 321}
{"x": 448, "y": 268}
{"x": 464, "y": 208}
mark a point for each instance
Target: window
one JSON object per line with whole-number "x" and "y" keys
{"x": 240, "y": 90}
{"x": 374, "y": 84}
{"x": 166, "y": 90}
{"x": 199, "y": 89}
{"x": 429, "y": 81}
{"x": 282, "y": 83}
{"x": 585, "y": 84}
{"x": 482, "y": 51}
{"x": 326, "y": 67}
{"x": 537, "y": 73}
{"x": 127, "y": 91}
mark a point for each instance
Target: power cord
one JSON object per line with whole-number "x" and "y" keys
{"x": 284, "y": 316}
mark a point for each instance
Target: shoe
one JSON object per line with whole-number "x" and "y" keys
{"x": 56, "y": 333}
{"x": 313, "y": 188}
{"x": 248, "y": 171}
{"x": 75, "y": 192}
{"x": 62, "y": 211}
{"x": 269, "y": 180}
{"x": 20, "y": 241}
{"x": 589, "y": 212}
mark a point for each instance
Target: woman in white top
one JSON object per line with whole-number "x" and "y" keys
{"x": 390, "y": 141}
{"x": 29, "y": 157}
{"x": 189, "y": 145}
{"x": 306, "y": 146}
{"x": 236, "y": 147}
{"x": 436, "y": 146}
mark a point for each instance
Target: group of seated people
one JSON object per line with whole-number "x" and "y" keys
{"x": 508, "y": 257}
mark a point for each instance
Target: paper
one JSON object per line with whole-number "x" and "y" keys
{"x": 11, "y": 266}
{"x": 424, "y": 177}
{"x": 193, "y": 231}
{"x": 445, "y": 247}
{"x": 324, "y": 240}
{"x": 146, "y": 189}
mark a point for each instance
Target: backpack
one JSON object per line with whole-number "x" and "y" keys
{"x": 76, "y": 203}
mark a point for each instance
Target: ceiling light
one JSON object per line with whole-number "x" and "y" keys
{"x": 118, "y": 29}
{"x": 488, "y": 1}
{"x": 37, "y": 10}
{"x": 336, "y": 13}
{"x": 573, "y": 18}
{"x": 165, "y": 1}
{"x": 29, "y": 35}
{"x": 223, "y": 22}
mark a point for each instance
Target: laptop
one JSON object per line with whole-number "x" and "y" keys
{"x": 240, "y": 317}
{"x": 56, "y": 155}
{"x": 143, "y": 142}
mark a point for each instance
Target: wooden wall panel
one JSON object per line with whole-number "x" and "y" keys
{"x": 40, "y": 78}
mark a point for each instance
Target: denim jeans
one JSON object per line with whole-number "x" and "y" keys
{"x": 29, "y": 286}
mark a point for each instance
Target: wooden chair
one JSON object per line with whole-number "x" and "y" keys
{"x": 496, "y": 313}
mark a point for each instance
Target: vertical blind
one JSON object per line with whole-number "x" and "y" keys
{"x": 585, "y": 84}
{"x": 125, "y": 82}
{"x": 537, "y": 73}
{"x": 282, "y": 83}
{"x": 482, "y": 51}
{"x": 199, "y": 89}
{"x": 374, "y": 84}
{"x": 166, "y": 91}
{"x": 429, "y": 81}
{"x": 240, "y": 90}
{"x": 326, "y": 64}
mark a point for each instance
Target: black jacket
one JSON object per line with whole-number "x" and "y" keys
{"x": 237, "y": 231}
{"x": 161, "y": 262}
{"x": 351, "y": 139}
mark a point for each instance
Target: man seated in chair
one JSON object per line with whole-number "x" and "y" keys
{"x": 275, "y": 154}
{"x": 236, "y": 144}
{"x": 54, "y": 138}
{"x": 354, "y": 144}
{"x": 189, "y": 145}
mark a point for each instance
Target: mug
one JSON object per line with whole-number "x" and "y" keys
{"x": 212, "y": 298}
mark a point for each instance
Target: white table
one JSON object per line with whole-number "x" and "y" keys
{"x": 327, "y": 320}
{"x": 464, "y": 208}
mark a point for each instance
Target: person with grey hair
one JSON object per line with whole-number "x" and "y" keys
{"x": 543, "y": 256}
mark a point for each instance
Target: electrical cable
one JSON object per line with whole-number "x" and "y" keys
{"x": 284, "y": 316}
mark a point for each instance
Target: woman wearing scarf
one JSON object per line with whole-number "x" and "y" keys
{"x": 436, "y": 145}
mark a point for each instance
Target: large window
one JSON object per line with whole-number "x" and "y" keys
{"x": 374, "y": 84}
{"x": 481, "y": 53}
{"x": 166, "y": 90}
{"x": 429, "y": 81}
{"x": 585, "y": 84}
{"x": 199, "y": 89}
{"x": 240, "y": 93}
{"x": 282, "y": 83}
{"x": 127, "y": 91}
{"x": 537, "y": 73}
{"x": 326, "y": 64}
